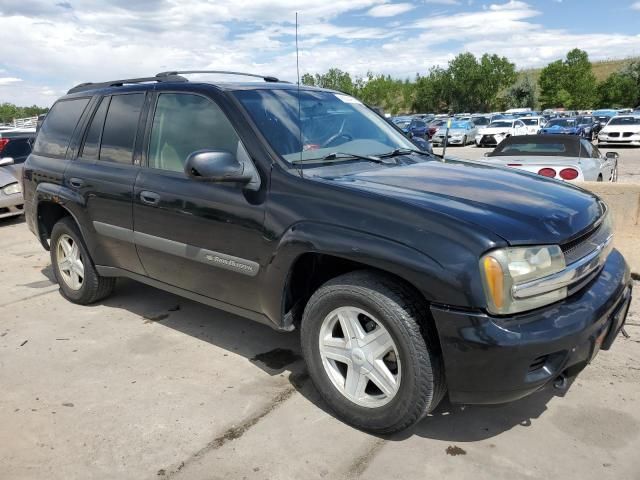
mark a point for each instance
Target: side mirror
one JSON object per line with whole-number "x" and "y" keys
{"x": 612, "y": 155}
{"x": 6, "y": 161}
{"x": 215, "y": 166}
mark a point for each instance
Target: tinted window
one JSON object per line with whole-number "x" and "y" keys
{"x": 183, "y": 124}
{"x": 18, "y": 149}
{"x": 92, "y": 141}
{"x": 55, "y": 133}
{"x": 120, "y": 128}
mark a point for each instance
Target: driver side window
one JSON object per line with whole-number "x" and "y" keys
{"x": 184, "y": 123}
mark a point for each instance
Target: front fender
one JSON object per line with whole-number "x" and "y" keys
{"x": 437, "y": 282}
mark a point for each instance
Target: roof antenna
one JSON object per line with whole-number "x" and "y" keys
{"x": 300, "y": 170}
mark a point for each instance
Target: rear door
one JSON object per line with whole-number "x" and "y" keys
{"x": 104, "y": 174}
{"x": 200, "y": 236}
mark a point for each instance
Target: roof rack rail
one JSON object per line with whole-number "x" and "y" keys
{"x": 127, "y": 81}
{"x": 266, "y": 78}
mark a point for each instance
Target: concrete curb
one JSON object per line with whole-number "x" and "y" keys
{"x": 623, "y": 200}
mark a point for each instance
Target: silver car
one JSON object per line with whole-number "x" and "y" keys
{"x": 11, "y": 201}
{"x": 461, "y": 132}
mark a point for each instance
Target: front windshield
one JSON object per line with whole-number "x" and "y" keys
{"x": 502, "y": 124}
{"x": 530, "y": 121}
{"x": 561, "y": 122}
{"x": 480, "y": 120}
{"x": 603, "y": 118}
{"x": 585, "y": 121}
{"x": 328, "y": 123}
{"x": 625, "y": 121}
{"x": 464, "y": 125}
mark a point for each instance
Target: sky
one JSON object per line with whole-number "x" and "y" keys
{"x": 47, "y": 46}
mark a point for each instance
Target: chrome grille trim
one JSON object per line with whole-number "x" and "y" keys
{"x": 574, "y": 272}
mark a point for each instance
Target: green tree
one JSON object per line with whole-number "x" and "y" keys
{"x": 9, "y": 111}
{"x": 617, "y": 91}
{"x": 579, "y": 79}
{"x": 569, "y": 83}
{"x": 521, "y": 94}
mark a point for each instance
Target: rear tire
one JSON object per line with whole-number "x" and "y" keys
{"x": 73, "y": 268}
{"x": 373, "y": 306}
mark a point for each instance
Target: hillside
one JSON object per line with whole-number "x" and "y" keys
{"x": 601, "y": 69}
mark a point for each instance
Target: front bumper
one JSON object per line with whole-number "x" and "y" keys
{"x": 499, "y": 359}
{"x": 11, "y": 205}
{"x": 604, "y": 139}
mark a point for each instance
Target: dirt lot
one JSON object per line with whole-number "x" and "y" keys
{"x": 149, "y": 385}
{"x": 628, "y": 164}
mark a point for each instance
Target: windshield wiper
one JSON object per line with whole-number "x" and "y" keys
{"x": 343, "y": 156}
{"x": 403, "y": 151}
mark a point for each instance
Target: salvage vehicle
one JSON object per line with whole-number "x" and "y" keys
{"x": 621, "y": 130}
{"x": 461, "y": 132}
{"x": 301, "y": 208}
{"x": 563, "y": 157}
{"x": 498, "y": 130}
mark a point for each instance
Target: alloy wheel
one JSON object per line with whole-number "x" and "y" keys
{"x": 360, "y": 357}
{"x": 70, "y": 264}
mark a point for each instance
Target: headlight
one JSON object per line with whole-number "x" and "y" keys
{"x": 12, "y": 189}
{"x": 504, "y": 268}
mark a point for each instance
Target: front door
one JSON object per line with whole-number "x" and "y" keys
{"x": 200, "y": 236}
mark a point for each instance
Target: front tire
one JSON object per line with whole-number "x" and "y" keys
{"x": 371, "y": 352}
{"x": 73, "y": 268}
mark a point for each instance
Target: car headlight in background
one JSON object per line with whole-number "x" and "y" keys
{"x": 507, "y": 267}
{"x": 12, "y": 189}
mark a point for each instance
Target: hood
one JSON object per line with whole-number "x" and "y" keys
{"x": 560, "y": 129}
{"x": 621, "y": 128}
{"x": 494, "y": 130}
{"x": 520, "y": 207}
{"x": 7, "y": 176}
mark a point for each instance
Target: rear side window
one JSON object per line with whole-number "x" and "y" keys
{"x": 57, "y": 129}
{"x": 120, "y": 128}
{"x": 91, "y": 146}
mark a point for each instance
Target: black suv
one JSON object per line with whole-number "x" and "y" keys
{"x": 300, "y": 207}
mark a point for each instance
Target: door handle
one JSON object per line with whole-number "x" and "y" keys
{"x": 76, "y": 182}
{"x": 149, "y": 198}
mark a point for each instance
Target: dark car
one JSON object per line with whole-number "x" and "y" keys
{"x": 301, "y": 208}
{"x": 414, "y": 127}
{"x": 590, "y": 126}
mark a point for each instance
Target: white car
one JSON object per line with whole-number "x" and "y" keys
{"x": 563, "y": 157}
{"x": 499, "y": 130}
{"x": 533, "y": 124}
{"x": 621, "y": 130}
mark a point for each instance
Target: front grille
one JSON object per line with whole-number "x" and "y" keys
{"x": 4, "y": 210}
{"x": 627, "y": 134}
{"x": 614, "y": 134}
{"x": 585, "y": 244}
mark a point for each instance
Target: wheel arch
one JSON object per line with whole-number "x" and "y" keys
{"x": 309, "y": 255}
{"x": 54, "y": 202}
